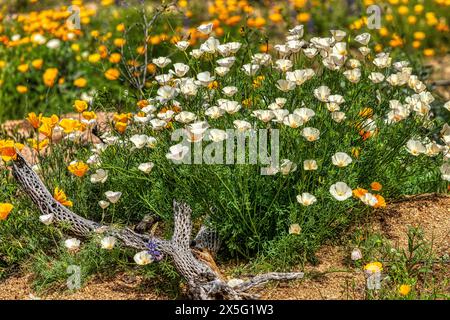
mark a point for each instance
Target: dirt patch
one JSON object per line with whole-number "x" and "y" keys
{"x": 330, "y": 279}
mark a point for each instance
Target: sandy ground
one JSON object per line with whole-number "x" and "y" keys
{"x": 333, "y": 280}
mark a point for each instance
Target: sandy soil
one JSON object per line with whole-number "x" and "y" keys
{"x": 330, "y": 279}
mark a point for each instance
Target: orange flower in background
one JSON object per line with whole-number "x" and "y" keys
{"x": 22, "y": 68}
{"x": 115, "y": 58}
{"x": 49, "y": 77}
{"x": 381, "y": 203}
{"x": 359, "y": 192}
{"x": 38, "y": 146}
{"x": 51, "y": 121}
{"x": 61, "y": 197}
{"x": 34, "y": 120}
{"x": 376, "y": 186}
{"x": 80, "y": 82}
{"x": 119, "y": 42}
{"x": 112, "y": 74}
{"x": 142, "y": 104}
{"x": 103, "y": 51}
{"x": 122, "y": 117}
{"x": 373, "y": 267}
{"x": 120, "y": 126}
{"x": 5, "y": 210}
{"x": 80, "y": 106}
{"x": 47, "y": 130}
{"x": 404, "y": 289}
{"x": 78, "y": 168}
{"x": 8, "y": 149}
{"x": 22, "y": 89}
{"x": 89, "y": 115}
{"x": 37, "y": 63}
{"x": 70, "y": 125}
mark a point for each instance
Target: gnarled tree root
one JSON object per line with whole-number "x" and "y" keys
{"x": 204, "y": 282}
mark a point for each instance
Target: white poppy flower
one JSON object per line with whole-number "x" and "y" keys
{"x": 72, "y": 244}
{"x": 180, "y": 69}
{"x": 363, "y": 38}
{"x": 250, "y": 69}
{"x": 103, "y": 204}
{"x": 185, "y": 117}
{"x": 37, "y": 38}
{"x": 382, "y": 60}
{"x": 47, "y": 219}
{"x": 264, "y": 115}
{"x": 356, "y": 255}
{"x": 310, "y": 52}
{"x": 188, "y": 87}
{"x": 295, "y": 228}
{"x": 161, "y": 62}
{"x": 415, "y": 147}
{"x": 229, "y": 91}
{"x": 293, "y": 121}
{"x": 177, "y": 152}
{"x": 139, "y": 140}
{"x": 306, "y": 199}
{"x": 112, "y": 196}
{"x": 311, "y": 134}
{"x": 280, "y": 115}
{"x": 297, "y": 30}
{"x": 305, "y": 114}
{"x": 322, "y": 93}
{"x": 182, "y": 45}
{"x": 214, "y": 112}
{"x": 53, "y": 44}
{"x": 146, "y": 167}
{"x": 287, "y": 166}
{"x": 310, "y": 165}
{"x": 300, "y": 76}
{"x": 364, "y": 50}
{"x": 210, "y": 45}
{"x": 205, "y": 78}
{"x": 205, "y": 28}
{"x": 369, "y": 199}
{"x": 242, "y": 125}
{"x": 108, "y": 243}
{"x": 142, "y": 258}
{"x": 341, "y": 159}
{"x": 263, "y": 59}
{"x": 353, "y": 75}
{"x": 166, "y": 93}
{"x": 100, "y": 176}
{"x": 230, "y": 107}
{"x": 322, "y": 43}
{"x": 196, "y": 53}
{"x": 280, "y": 101}
{"x": 221, "y": 71}
{"x": 338, "y": 116}
{"x": 163, "y": 79}
{"x": 284, "y": 65}
{"x": 217, "y": 135}
{"x": 285, "y": 85}
{"x": 226, "y": 62}
{"x": 340, "y": 191}
{"x": 282, "y": 49}
{"x": 376, "y": 77}
{"x": 338, "y": 35}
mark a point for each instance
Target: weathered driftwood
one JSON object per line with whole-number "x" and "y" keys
{"x": 203, "y": 278}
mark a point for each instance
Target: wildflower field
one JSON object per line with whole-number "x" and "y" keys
{"x": 191, "y": 144}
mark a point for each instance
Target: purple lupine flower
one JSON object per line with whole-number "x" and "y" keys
{"x": 153, "y": 251}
